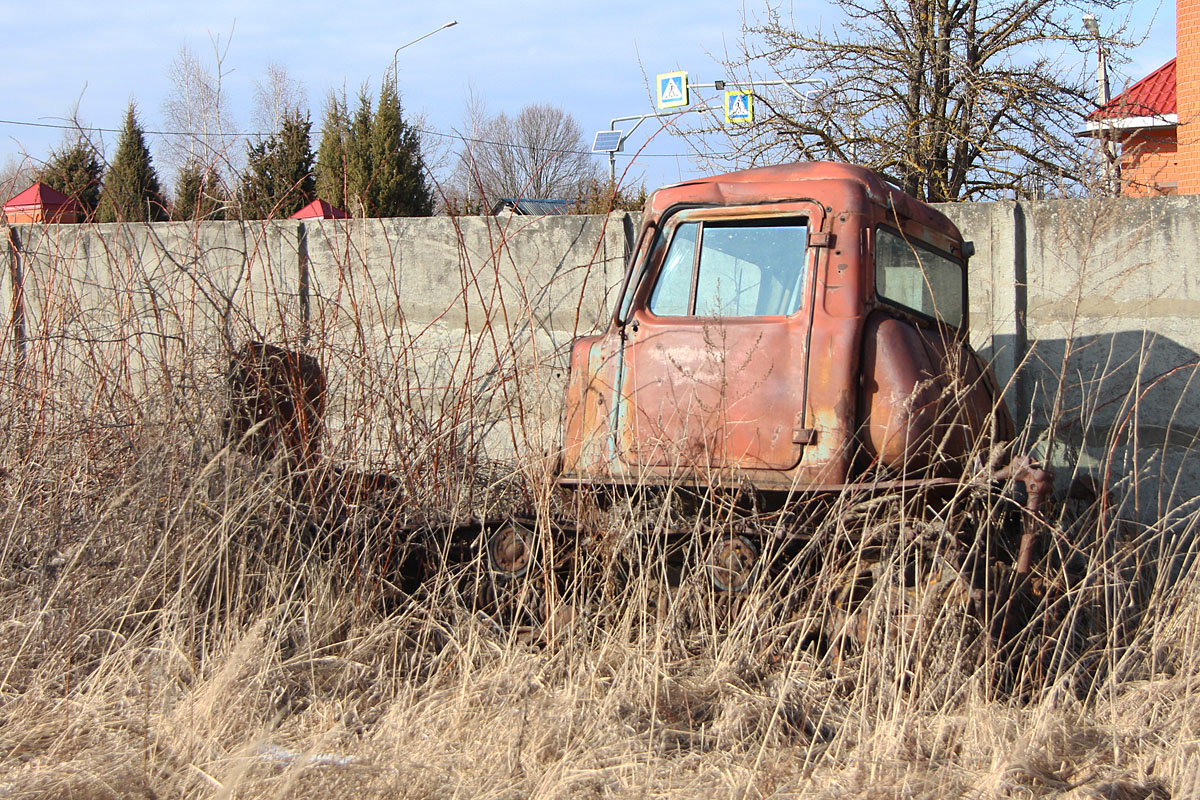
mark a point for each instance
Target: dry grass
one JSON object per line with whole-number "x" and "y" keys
{"x": 173, "y": 626}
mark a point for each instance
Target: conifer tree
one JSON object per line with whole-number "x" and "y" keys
{"x": 74, "y": 170}
{"x": 198, "y": 194}
{"x": 331, "y": 154}
{"x": 398, "y": 185}
{"x": 358, "y": 159}
{"x": 278, "y": 180}
{"x": 369, "y": 161}
{"x": 131, "y": 189}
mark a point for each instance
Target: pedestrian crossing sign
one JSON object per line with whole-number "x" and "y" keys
{"x": 739, "y": 107}
{"x": 672, "y": 90}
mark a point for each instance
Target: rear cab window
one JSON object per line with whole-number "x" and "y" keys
{"x": 918, "y": 278}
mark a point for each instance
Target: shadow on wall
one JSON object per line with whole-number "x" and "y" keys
{"x": 1120, "y": 408}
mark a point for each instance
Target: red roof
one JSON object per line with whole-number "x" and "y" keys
{"x": 41, "y": 196}
{"x": 1152, "y": 96}
{"x": 319, "y": 209}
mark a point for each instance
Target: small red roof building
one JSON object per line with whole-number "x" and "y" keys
{"x": 1156, "y": 121}
{"x": 1143, "y": 120}
{"x": 319, "y": 209}
{"x": 41, "y": 203}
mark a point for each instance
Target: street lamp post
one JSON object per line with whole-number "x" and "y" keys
{"x": 1092, "y": 26}
{"x": 449, "y": 24}
{"x": 1112, "y": 175}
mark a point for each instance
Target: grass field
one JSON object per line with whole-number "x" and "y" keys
{"x": 174, "y": 624}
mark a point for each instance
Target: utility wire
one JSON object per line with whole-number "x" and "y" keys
{"x": 318, "y": 132}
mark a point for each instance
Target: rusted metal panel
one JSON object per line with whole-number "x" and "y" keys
{"x": 924, "y": 402}
{"x": 277, "y": 403}
{"x": 707, "y": 394}
{"x": 587, "y": 442}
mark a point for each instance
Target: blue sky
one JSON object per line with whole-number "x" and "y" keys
{"x": 589, "y": 58}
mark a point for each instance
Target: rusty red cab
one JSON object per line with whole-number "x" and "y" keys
{"x": 797, "y": 328}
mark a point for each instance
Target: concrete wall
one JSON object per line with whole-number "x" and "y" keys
{"x": 1090, "y": 313}
{"x": 423, "y": 324}
{"x": 472, "y": 317}
{"x": 1088, "y": 309}
{"x": 101, "y": 316}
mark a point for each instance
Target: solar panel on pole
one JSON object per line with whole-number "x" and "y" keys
{"x": 607, "y": 142}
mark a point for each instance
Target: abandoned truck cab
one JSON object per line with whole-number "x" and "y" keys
{"x": 793, "y": 329}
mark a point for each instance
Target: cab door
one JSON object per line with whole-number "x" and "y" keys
{"x": 715, "y": 346}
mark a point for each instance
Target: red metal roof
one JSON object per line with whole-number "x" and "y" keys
{"x": 41, "y": 196}
{"x": 1152, "y": 96}
{"x": 319, "y": 209}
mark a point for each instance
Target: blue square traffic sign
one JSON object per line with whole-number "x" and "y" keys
{"x": 672, "y": 90}
{"x": 739, "y": 107}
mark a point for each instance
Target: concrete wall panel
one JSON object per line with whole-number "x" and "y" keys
{"x": 475, "y": 313}
{"x": 1095, "y": 328}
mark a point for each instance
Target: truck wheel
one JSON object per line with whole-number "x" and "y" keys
{"x": 510, "y": 550}
{"x": 732, "y": 563}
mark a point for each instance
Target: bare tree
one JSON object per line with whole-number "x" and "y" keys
{"x": 277, "y": 97}
{"x": 437, "y": 148}
{"x": 198, "y": 111}
{"x": 461, "y": 192}
{"x": 539, "y": 153}
{"x": 16, "y": 174}
{"x": 953, "y": 99}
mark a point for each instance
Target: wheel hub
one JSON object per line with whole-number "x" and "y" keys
{"x": 732, "y": 563}
{"x": 510, "y": 550}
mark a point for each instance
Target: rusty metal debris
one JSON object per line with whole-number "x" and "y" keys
{"x": 276, "y": 403}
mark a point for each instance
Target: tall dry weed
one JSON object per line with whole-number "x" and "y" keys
{"x": 178, "y": 623}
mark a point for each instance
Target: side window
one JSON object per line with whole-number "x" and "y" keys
{"x": 919, "y": 279}
{"x": 745, "y": 268}
{"x": 672, "y": 293}
{"x": 749, "y": 270}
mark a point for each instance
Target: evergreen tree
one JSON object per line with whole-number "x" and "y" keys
{"x": 398, "y": 187}
{"x": 369, "y": 161}
{"x": 358, "y": 159}
{"x": 278, "y": 180}
{"x": 131, "y": 189}
{"x": 198, "y": 194}
{"x": 188, "y": 187}
{"x": 331, "y": 155}
{"x": 75, "y": 171}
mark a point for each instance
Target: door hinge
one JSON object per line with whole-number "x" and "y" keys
{"x": 801, "y": 434}
{"x": 820, "y": 239}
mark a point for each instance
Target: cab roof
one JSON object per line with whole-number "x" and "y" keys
{"x": 841, "y": 187}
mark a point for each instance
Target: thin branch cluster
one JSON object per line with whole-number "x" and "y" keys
{"x": 952, "y": 99}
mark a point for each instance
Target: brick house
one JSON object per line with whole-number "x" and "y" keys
{"x": 1143, "y": 120}
{"x": 1156, "y": 121}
